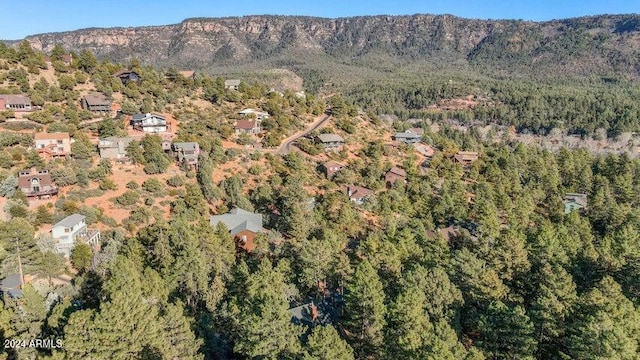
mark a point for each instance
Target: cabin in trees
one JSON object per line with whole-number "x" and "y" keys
{"x": 36, "y": 184}
{"x": 330, "y": 168}
{"x": 114, "y": 148}
{"x": 247, "y": 127}
{"x": 466, "y": 158}
{"x": 186, "y": 153}
{"x": 407, "y": 137}
{"x": 358, "y": 194}
{"x": 243, "y": 225}
{"x": 330, "y": 142}
{"x": 96, "y": 103}
{"x": 127, "y": 76}
{"x": 573, "y": 201}
{"x": 394, "y": 175}
{"x": 310, "y": 314}
{"x": 16, "y": 103}
{"x": 11, "y": 286}
{"x": 149, "y": 123}
{"x": 51, "y": 145}
{"x": 232, "y": 84}
{"x": 68, "y": 231}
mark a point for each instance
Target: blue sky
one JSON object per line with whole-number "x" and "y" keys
{"x": 19, "y": 18}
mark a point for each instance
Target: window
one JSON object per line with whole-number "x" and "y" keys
{"x": 66, "y": 230}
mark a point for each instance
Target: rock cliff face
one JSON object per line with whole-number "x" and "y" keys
{"x": 581, "y": 46}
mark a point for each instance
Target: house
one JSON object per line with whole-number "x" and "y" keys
{"x": 186, "y": 152}
{"x": 16, "y": 103}
{"x": 573, "y": 201}
{"x": 466, "y": 158}
{"x": 247, "y": 127}
{"x": 232, "y": 84}
{"x": 127, "y": 75}
{"x": 243, "y": 225}
{"x": 260, "y": 115}
{"x": 53, "y": 144}
{"x": 330, "y": 168}
{"x": 310, "y": 314}
{"x": 166, "y": 145}
{"x": 407, "y": 137}
{"x": 96, "y": 103}
{"x": 394, "y": 175}
{"x": 149, "y": 123}
{"x": 330, "y": 142}
{"x": 36, "y": 184}
{"x": 11, "y": 286}
{"x": 358, "y": 194}
{"x": 67, "y": 59}
{"x": 426, "y": 150}
{"x": 114, "y": 147}
{"x": 70, "y": 230}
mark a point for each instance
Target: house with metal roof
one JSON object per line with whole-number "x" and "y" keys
{"x": 330, "y": 142}
{"x": 243, "y": 225}
{"x": 68, "y": 231}
{"x": 407, "y": 137}
{"x": 11, "y": 286}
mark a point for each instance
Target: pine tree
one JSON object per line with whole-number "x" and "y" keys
{"x": 265, "y": 327}
{"x": 324, "y": 343}
{"x": 606, "y": 325}
{"x": 507, "y": 333}
{"x": 555, "y": 296}
{"x": 365, "y": 310}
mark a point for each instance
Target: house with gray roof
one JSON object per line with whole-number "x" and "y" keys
{"x": 186, "y": 152}
{"x": 407, "y": 137}
{"x": 114, "y": 147}
{"x": 330, "y": 142}
{"x": 71, "y": 229}
{"x": 16, "y": 102}
{"x": 243, "y": 226}
{"x": 11, "y": 286}
{"x": 232, "y": 84}
{"x": 573, "y": 201}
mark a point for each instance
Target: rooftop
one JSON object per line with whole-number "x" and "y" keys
{"x": 232, "y": 82}
{"x": 330, "y": 138}
{"x": 15, "y": 99}
{"x": 51, "y": 136}
{"x": 238, "y": 220}
{"x": 70, "y": 221}
{"x": 245, "y": 124}
{"x": 398, "y": 171}
{"x": 186, "y": 146}
{"x": 97, "y": 99}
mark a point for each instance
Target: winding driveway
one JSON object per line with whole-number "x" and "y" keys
{"x": 285, "y": 147}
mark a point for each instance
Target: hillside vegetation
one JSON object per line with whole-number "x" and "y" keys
{"x": 476, "y": 249}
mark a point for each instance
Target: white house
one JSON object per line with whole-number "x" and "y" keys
{"x": 149, "y": 123}
{"x": 70, "y": 230}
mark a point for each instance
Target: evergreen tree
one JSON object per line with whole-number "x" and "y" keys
{"x": 265, "y": 327}
{"x": 365, "y": 310}
{"x": 324, "y": 343}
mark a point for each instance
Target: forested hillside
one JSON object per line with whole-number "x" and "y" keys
{"x": 469, "y": 251}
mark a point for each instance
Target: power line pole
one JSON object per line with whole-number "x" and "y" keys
{"x": 19, "y": 261}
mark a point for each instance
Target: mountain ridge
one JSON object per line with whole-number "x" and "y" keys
{"x": 601, "y": 45}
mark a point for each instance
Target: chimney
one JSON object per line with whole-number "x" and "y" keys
{"x": 349, "y": 191}
{"x": 314, "y": 312}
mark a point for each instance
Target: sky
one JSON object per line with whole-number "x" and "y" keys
{"x": 19, "y": 18}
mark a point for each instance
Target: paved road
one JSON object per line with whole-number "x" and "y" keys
{"x": 285, "y": 147}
